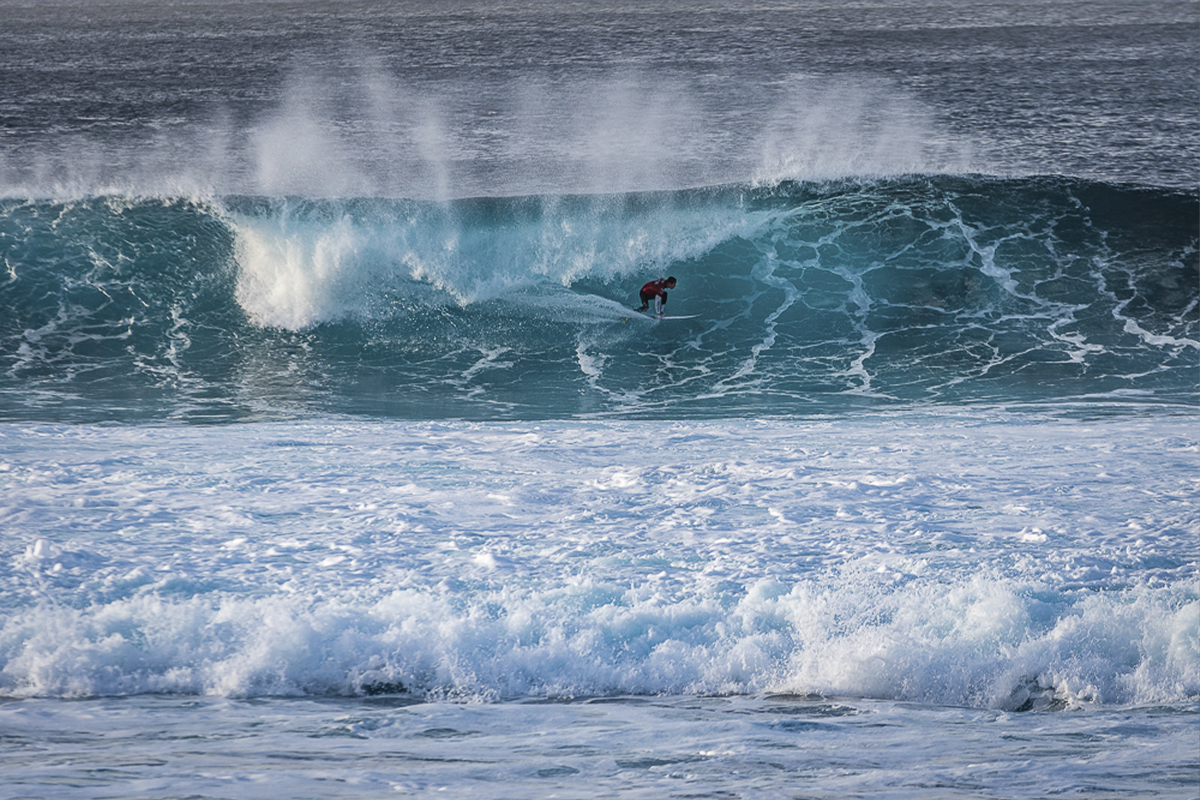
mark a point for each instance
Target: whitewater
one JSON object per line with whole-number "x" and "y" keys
{"x": 336, "y": 462}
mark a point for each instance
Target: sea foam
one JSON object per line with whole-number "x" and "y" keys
{"x": 892, "y": 559}
{"x": 983, "y": 643}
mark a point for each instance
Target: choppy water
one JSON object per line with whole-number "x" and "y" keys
{"x": 335, "y": 461}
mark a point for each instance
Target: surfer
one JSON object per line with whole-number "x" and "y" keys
{"x": 656, "y": 291}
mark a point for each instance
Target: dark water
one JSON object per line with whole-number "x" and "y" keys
{"x": 467, "y": 98}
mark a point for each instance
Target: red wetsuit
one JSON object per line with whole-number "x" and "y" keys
{"x": 654, "y": 289}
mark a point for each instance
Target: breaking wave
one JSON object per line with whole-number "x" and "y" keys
{"x": 807, "y": 296}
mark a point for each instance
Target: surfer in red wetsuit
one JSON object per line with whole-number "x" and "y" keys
{"x": 656, "y": 291}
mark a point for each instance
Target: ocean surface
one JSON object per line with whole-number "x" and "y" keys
{"x": 336, "y": 463}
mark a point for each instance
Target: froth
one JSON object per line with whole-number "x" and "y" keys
{"x": 301, "y": 263}
{"x": 981, "y": 643}
{"x": 290, "y": 279}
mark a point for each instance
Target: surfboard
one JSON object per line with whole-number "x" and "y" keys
{"x": 655, "y": 316}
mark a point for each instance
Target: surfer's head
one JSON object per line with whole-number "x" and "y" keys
{"x": 670, "y": 282}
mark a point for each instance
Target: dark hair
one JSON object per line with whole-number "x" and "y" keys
{"x": 672, "y": 279}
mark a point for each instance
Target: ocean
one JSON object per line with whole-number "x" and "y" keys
{"x": 336, "y": 462}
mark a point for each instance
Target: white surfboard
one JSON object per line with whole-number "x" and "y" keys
{"x": 656, "y": 316}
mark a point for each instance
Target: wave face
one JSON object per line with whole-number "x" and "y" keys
{"x": 809, "y": 298}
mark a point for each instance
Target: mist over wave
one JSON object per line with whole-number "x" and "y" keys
{"x": 369, "y": 134}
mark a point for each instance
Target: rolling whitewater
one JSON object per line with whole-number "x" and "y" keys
{"x": 335, "y": 460}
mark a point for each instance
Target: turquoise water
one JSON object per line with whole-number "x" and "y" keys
{"x": 808, "y": 298}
